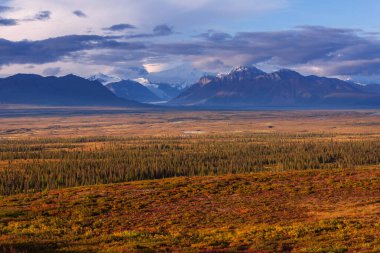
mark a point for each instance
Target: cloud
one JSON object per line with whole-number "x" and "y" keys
{"x": 158, "y": 31}
{"x": 119, "y": 27}
{"x": 162, "y": 30}
{"x": 52, "y": 71}
{"x": 8, "y": 22}
{"x": 54, "y": 49}
{"x": 212, "y": 65}
{"x": 350, "y": 51}
{"x": 80, "y": 14}
{"x": 187, "y": 16}
{"x": 130, "y": 72}
{"x": 5, "y": 8}
{"x": 181, "y": 48}
{"x": 42, "y": 15}
{"x": 214, "y": 36}
{"x": 309, "y": 49}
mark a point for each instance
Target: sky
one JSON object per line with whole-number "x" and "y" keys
{"x": 338, "y": 38}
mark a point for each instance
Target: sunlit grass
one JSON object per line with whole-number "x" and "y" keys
{"x": 302, "y": 211}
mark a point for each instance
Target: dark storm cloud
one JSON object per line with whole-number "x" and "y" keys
{"x": 295, "y": 46}
{"x": 337, "y": 51}
{"x": 5, "y": 8}
{"x": 301, "y": 46}
{"x": 317, "y": 45}
{"x": 42, "y": 15}
{"x": 54, "y": 49}
{"x": 158, "y": 31}
{"x": 79, "y": 14}
{"x": 162, "y": 30}
{"x": 8, "y": 22}
{"x": 119, "y": 27}
{"x": 215, "y": 36}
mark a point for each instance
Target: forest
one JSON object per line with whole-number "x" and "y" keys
{"x": 35, "y": 165}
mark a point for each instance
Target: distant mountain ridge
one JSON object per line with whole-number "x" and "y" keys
{"x": 251, "y": 87}
{"x": 132, "y": 90}
{"x": 178, "y": 77}
{"x": 68, "y": 90}
{"x": 104, "y": 79}
{"x": 182, "y": 76}
{"x": 243, "y": 87}
{"x": 162, "y": 90}
{"x": 139, "y": 89}
{"x": 373, "y": 88}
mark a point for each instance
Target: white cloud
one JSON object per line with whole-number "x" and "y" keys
{"x": 183, "y": 14}
{"x": 186, "y": 16}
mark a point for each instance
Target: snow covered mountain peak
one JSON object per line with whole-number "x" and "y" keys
{"x": 142, "y": 80}
{"x": 104, "y": 79}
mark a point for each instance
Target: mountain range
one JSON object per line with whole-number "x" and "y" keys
{"x": 139, "y": 89}
{"x": 179, "y": 77}
{"x": 372, "y": 88}
{"x": 242, "y": 88}
{"x": 246, "y": 87}
{"x": 132, "y": 90}
{"x": 104, "y": 79}
{"x": 68, "y": 90}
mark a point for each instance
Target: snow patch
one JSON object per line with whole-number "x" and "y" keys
{"x": 104, "y": 79}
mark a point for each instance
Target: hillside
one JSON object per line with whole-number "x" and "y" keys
{"x": 131, "y": 90}
{"x": 297, "y": 211}
{"x": 69, "y": 90}
{"x": 269, "y": 181}
{"x": 372, "y": 88}
{"x": 250, "y": 87}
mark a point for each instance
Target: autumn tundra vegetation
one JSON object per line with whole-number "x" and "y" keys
{"x": 225, "y": 188}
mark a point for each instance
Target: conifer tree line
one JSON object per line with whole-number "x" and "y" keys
{"x": 38, "y": 165}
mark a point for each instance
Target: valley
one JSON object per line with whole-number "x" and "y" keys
{"x": 40, "y": 122}
{"x": 298, "y": 211}
{"x": 182, "y": 126}
{"x": 243, "y": 88}
{"x": 195, "y": 181}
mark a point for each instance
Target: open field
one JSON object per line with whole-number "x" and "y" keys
{"x": 304, "y": 211}
{"x": 193, "y": 181}
{"x": 73, "y": 122}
